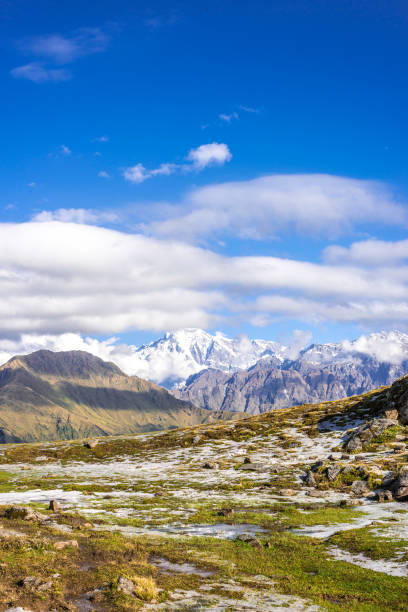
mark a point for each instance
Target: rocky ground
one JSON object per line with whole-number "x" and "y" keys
{"x": 300, "y": 509}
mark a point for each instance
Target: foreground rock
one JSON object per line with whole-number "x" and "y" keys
{"x": 366, "y": 432}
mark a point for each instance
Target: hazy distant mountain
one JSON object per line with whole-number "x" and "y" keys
{"x": 320, "y": 372}
{"x": 47, "y": 396}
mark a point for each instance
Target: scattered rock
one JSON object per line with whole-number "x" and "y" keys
{"x": 366, "y": 432}
{"x": 196, "y": 439}
{"x": 401, "y": 438}
{"x": 209, "y": 465}
{"x": 54, "y": 505}
{"x": 399, "y": 448}
{"x": 359, "y": 488}
{"x": 383, "y": 496}
{"x": 23, "y": 512}
{"x": 227, "y": 512}
{"x": 350, "y": 502}
{"x": 316, "y": 466}
{"x": 332, "y": 472}
{"x": 253, "y": 467}
{"x": 65, "y": 544}
{"x": 287, "y": 492}
{"x": 31, "y": 582}
{"x": 125, "y": 586}
{"x": 251, "y": 540}
{"x": 345, "y": 456}
{"x": 391, "y": 413}
{"x": 316, "y": 493}
{"x": 45, "y": 586}
{"x": 247, "y": 460}
{"x": 91, "y": 444}
{"x": 310, "y": 480}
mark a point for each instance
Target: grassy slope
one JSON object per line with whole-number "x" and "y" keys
{"x": 50, "y": 399}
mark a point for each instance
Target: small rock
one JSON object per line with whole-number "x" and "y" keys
{"x": 196, "y": 439}
{"x": 248, "y": 539}
{"x": 45, "y": 586}
{"x": 287, "y": 492}
{"x": 359, "y": 488}
{"x": 54, "y": 506}
{"x": 316, "y": 466}
{"x": 91, "y": 444}
{"x": 332, "y": 472}
{"x": 310, "y": 479}
{"x": 315, "y": 493}
{"x": 227, "y": 512}
{"x": 247, "y": 460}
{"x": 400, "y": 437}
{"x": 388, "y": 495}
{"x": 65, "y": 544}
{"x": 31, "y": 582}
{"x": 23, "y": 512}
{"x": 391, "y": 413}
{"x": 267, "y": 544}
{"x": 401, "y": 494}
{"x": 125, "y": 586}
{"x": 350, "y": 502}
{"x": 345, "y": 456}
{"x": 209, "y": 465}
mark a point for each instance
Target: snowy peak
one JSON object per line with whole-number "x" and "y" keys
{"x": 177, "y": 355}
{"x": 384, "y": 347}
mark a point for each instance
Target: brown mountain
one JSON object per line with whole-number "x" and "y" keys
{"x": 64, "y": 395}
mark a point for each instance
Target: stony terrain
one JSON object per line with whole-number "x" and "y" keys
{"x": 300, "y": 509}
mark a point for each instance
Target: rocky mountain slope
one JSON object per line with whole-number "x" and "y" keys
{"x": 301, "y": 509}
{"x": 49, "y": 396}
{"x": 320, "y": 373}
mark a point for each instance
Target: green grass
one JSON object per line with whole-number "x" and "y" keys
{"x": 375, "y": 547}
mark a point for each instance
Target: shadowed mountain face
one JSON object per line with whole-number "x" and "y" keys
{"x": 72, "y": 394}
{"x": 269, "y": 385}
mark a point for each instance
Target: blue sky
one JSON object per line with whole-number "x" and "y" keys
{"x": 235, "y": 136}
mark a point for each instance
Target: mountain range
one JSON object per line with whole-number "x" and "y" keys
{"x": 319, "y": 373}
{"x": 64, "y": 395}
{"x": 253, "y": 376}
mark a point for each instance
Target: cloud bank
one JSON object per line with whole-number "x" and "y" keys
{"x": 317, "y": 204}
{"x": 58, "y": 277}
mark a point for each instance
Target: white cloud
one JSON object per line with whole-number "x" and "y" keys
{"x": 54, "y": 50}
{"x": 385, "y": 347}
{"x": 75, "y": 215}
{"x": 249, "y": 109}
{"x": 139, "y": 174}
{"x": 101, "y": 139}
{"x": 264, "y": 207}
{"x": 61, "y": 49}
{"x": 58, "y": 277}
{"x": 32, "y": 184}
{"x": 228, "y": 118}
{"x": 212, "y": 154}
{"x": 205, "y": 155}
{"x": 38, "y": 73}
{"x": 368, "y": 252}
{"x": 103, "y": 174}
{"x": 65, "y": 150}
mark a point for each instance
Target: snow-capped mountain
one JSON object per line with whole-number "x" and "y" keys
{"x": 322, "y": 372}
{"x": 170, "y": 360}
